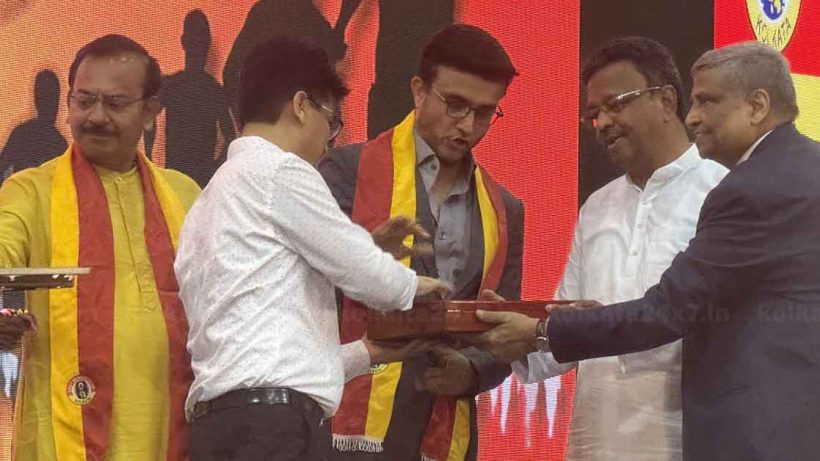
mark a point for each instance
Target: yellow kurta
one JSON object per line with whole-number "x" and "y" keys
{"x": 139, "y": 423}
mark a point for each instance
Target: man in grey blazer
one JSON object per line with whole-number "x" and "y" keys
{"x": 463, "y": 74}
{"x": 745, "y": 295}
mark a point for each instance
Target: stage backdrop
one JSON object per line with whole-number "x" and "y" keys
{"x": 532, "y": 150}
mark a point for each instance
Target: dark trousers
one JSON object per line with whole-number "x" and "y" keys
{"x": 260, "y": 432}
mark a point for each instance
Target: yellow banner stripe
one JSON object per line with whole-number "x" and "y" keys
{"x": 461, "y": 432}
{"x": 382, "y": 395}
{"x": 403, "y": 203}
{"x": 489, "y": 221}
{"x": 172, "y": 208}
{"x": 67, "y": 418}
{"x": 808, "y": 100}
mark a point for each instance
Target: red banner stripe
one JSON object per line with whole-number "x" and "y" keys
{"x": 161, "y": 253}
{"x": 95, "y": 301}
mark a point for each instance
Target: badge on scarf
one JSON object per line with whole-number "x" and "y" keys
{"x": 81, "y": 390}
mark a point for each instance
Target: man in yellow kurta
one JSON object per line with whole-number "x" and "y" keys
{"x": 105, "y": 373}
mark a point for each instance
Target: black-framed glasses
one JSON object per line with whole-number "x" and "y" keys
{"x": 117, "y": 104}
{"x": 615, "y": 105}
{"x": 334, "y": 122}
{"x": 458, "y": 109}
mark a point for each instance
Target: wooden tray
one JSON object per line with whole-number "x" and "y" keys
{"x": 440, "y": 318}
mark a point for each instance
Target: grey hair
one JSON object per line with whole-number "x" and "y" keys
{"x": 753, "y": 65}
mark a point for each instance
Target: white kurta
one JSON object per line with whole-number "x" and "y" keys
{"x": 629, "y": 407}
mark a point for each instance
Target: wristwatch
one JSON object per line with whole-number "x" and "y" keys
{"x": 542, "y": 342}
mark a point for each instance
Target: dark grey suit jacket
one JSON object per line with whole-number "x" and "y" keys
{"x": 745, "y": 298}
{"x": 340, "y": 170}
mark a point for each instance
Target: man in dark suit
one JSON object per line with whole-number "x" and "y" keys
{"x": 424, "y": 169}
{"x": 744, "y": 296}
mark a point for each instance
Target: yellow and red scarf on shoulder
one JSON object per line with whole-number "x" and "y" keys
{"x": 386, "y": 187}
{"x": 81, "y": 319}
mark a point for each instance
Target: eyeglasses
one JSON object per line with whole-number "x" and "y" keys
{"x": 111, "y": 103}
{"x": 335, "y": 123}
{"x": 458, "y": 109}
{"x": 615, "y": 105}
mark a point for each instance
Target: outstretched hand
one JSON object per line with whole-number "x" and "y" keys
{"x": 450, "y": 373}
{"x": 397, "y": 351}
{"x": 429, "y": 285}
{"x": 511, "y": 338}
{"x": 390, "y": 235}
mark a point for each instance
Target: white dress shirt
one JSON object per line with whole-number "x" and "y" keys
{"x": 629, "y": 407}
{"x": 259, "y": 255}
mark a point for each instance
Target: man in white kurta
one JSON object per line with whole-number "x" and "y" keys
{"x": 628, "y": 232}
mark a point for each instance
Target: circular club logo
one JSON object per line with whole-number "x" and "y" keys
{"x": 81, "y": 390}
{"x": 773, "y": 21}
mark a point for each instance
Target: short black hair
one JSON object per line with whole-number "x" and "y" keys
{"x": 114, "y": 45}
{"x": 468, "y": 49}
{"x": 651, "y": 59}
{"x": 276, "y": 70}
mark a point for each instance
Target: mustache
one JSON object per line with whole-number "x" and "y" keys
{"x": 100, "y": 130}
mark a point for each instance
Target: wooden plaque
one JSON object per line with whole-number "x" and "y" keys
{"x": 31, "y": 278}
{"x": 439, "y": 318}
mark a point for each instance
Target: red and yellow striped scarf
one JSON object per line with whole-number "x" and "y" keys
{"x": 82, "y": 318}
{"x": 386, "y": 187}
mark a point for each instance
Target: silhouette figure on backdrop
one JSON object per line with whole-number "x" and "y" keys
{"x": 297, "y": 19}
{"x": 194, "y": 105}
{"x": 37, "y": 140}
{"x": 403, "y": 27}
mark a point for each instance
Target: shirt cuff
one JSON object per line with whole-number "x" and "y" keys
{"x": 538, "y": 366}
{"x": 355, "y": 359}
{"x": 410, "y": 293}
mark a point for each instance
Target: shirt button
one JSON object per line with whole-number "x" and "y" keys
{"x": 433, "y": 166}
{"x": 442, "y": 236}
{"x": 634, "y": 253}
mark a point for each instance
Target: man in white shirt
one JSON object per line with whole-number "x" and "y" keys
{"x": 259, "y": 256}
{"x": 628, "y": 407}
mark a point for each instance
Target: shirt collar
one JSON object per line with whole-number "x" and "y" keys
{"x": 243, "y": 143}
{"x": 752, "y": 148}
{"x": 423, "y": 150}
{"x": 688, "y": 159}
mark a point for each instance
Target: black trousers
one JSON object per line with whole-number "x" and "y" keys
{"x": 260, "y": 432}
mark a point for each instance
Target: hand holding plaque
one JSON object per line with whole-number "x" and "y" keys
{"x": 449, "y": 373}
{"x": 397, "y": 351}
{"x": 514, "y": 335}
{"x": 428, "y": 285}
{"x": 511, "y": 337}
